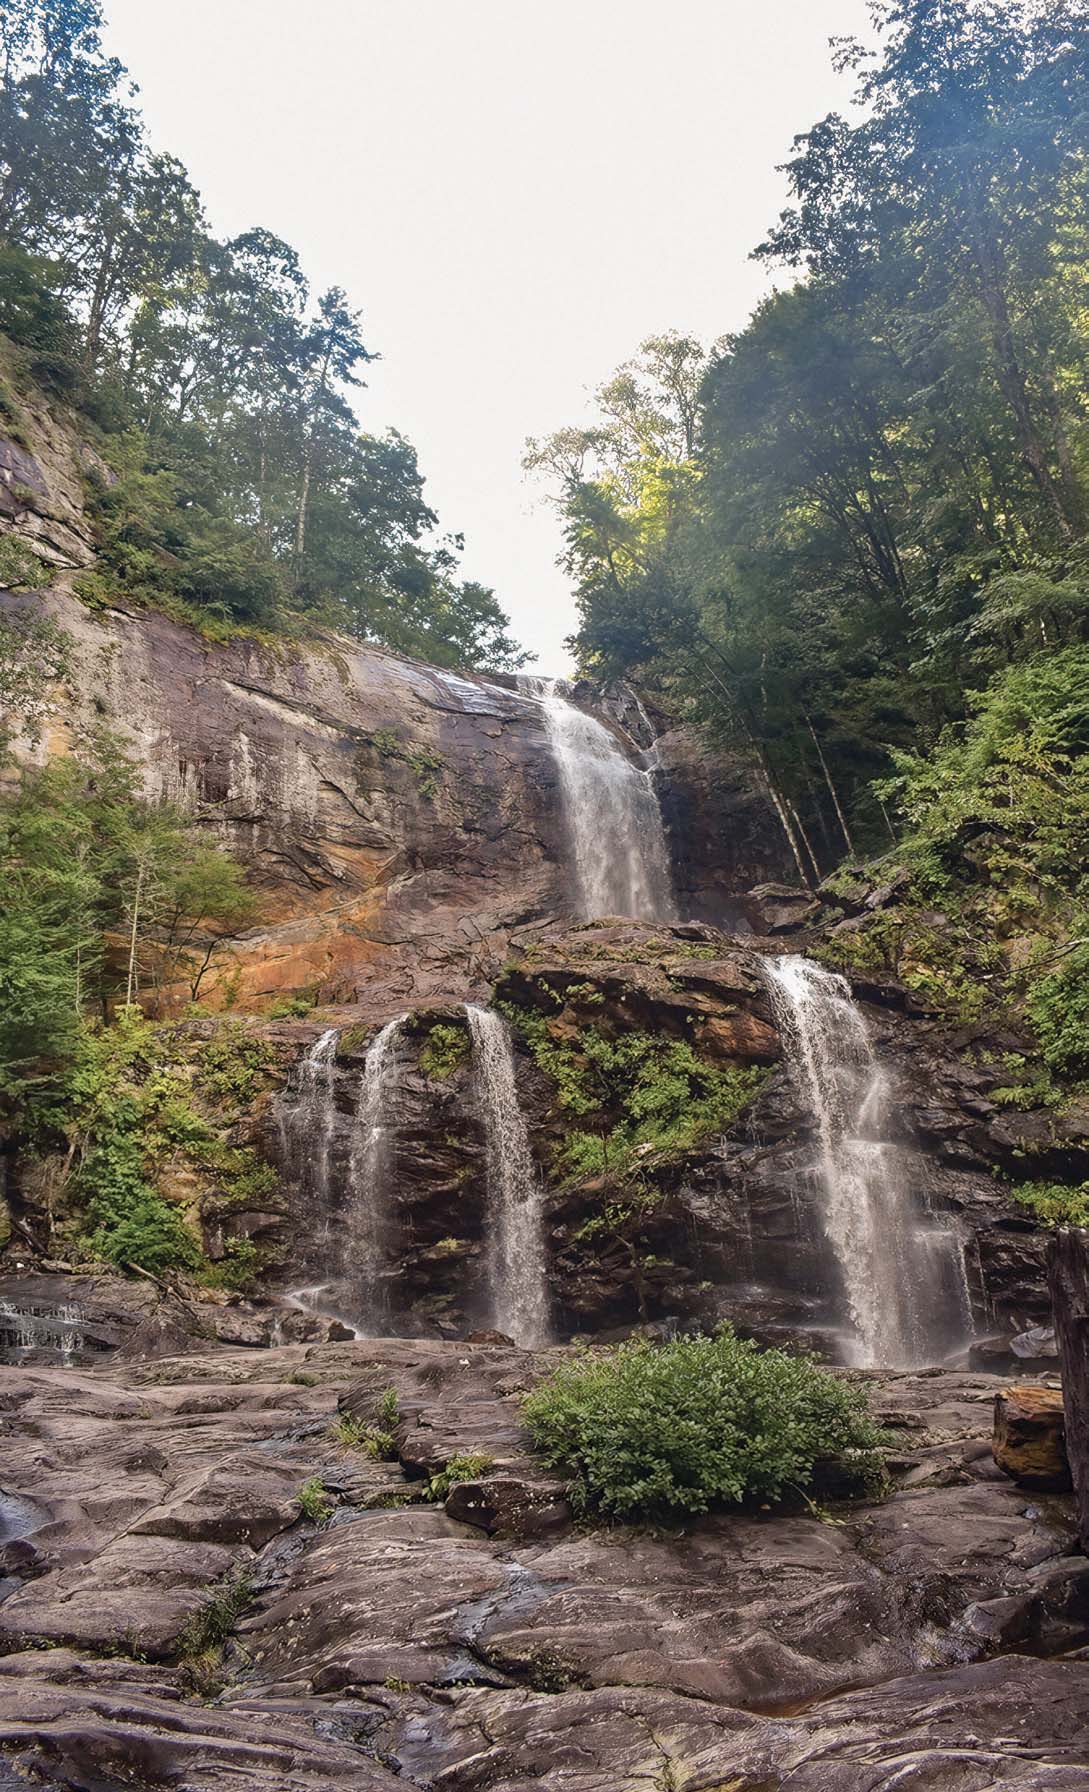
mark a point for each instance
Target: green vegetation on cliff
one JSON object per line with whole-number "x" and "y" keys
{"x": 215, "y": 385}
{"x": 111, "y": 900}
{"x": 636, "y": 1095}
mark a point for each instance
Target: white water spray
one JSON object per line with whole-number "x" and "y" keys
{"x": 621, "y": 862}
{"x": 901, "y": 1272}
{"x": 517, "y": 1270}
{"x": 367, "y": 1217}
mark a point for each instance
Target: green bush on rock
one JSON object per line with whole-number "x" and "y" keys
{"x": 649, "y": 1432}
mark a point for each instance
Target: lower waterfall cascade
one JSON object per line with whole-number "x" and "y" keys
{"x": 903, "y": 1275}
{"x": 350, "y": 1247}
{"x": 517, "y": 1270}
{"x": 366, "y": 1224}
{"x": 618, "y": 844}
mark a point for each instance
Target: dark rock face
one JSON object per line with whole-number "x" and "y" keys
{"x": 730, "y": 1227}
{"x": 414, "y": 1646}
{"x": 1068, "y": 1273}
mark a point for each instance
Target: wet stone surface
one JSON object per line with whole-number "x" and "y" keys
{"x": 492, "y": 1646}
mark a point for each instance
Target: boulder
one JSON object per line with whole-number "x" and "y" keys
{"x": 1030, "y": 1439}
{"x": 780, "y": 908}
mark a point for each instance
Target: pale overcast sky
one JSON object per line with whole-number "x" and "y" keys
{"x": 514, "y": 192}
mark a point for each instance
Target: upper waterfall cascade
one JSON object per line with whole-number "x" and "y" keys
{"x": 517, "y": 1267}
{"x": 620, "y": 857}
{"x": 903, "y": 1273}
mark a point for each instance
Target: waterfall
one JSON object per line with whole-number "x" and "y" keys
{"x": 366, "y": 1240}
{"x": 903, "y": 1276}
{"x": 621, "y": 862}
{"x": 517, "y": 1271}
{"x": 40, "y": 1331}
{"x": 306, "y": 1117}
{"x": 347, "y": 1253}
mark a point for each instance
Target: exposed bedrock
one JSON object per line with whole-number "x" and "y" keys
{"x": 401, "y": 821}
{"x": 407, "y": 1645}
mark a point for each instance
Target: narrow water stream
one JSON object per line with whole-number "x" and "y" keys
{"x": 517, "y": 1267}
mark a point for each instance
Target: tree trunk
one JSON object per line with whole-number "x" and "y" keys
{"x": 130, "y": 985}
{"x": 804, "y": 837}
{"x": 300, "y": 520}
{"x": 832, "y": 791}
{"x": 1068, "y": 1277}
{"x": 1011, "y": 378}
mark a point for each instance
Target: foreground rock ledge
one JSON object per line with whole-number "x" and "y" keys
{"x": 401, "y": 1646}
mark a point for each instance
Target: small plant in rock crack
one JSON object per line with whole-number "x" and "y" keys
{"x": 315, "y": 1499}
{"x": 375, "y": 1439}
{"x": 200, "y": 1644}
{"x": 468, "y": 1467}
{"x": 352, "y": 1434}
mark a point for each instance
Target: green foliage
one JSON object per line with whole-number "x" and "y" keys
{"x": 645, "y": 1092}
{"x": 376, "y": 1441}
{"x": 444, "y": 1051}
{"x": 34, "y": 655}
{"x": 219, "y": 389}
{"x": 215, "y": 1620}
{"x": 819, "y": 536}
{"x": 86, "y": 862}
{"x": 646, "y": 1432}
{"x": 133, "y": 1225}
{"x": 947, "y": 963}
{"x": 1058, "y": 1006}
{"x": 315, "y": 1500}
{"x": 1055, "y": 1203}
{"x": 20, "y": 569}
{"x": 465, "y": 1467}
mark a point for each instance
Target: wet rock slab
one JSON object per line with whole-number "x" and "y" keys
{"x": 895, "y": 1644}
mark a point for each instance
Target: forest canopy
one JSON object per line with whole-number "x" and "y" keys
{"x": 220, "y": 387}
{"x": 835, "y": 536}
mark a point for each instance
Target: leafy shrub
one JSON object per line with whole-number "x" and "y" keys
{"x": 132, "y": 1222}
{"x": 1058, "y": 1006}
{"x": 645, "y": 1432}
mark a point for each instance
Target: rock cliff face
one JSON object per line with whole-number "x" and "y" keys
{"x": 401, "y": 821}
